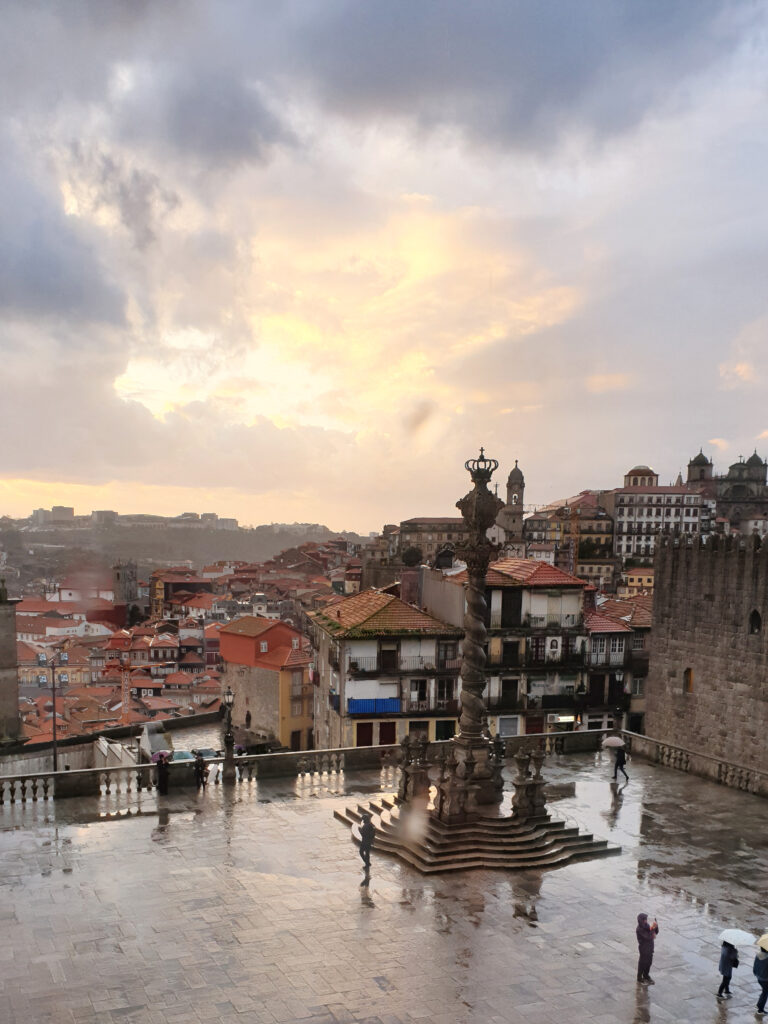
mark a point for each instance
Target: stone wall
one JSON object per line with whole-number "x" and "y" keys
{"x": 707, "y": 686}
{"x": 9, "y": 679}
{"x": 256, "y": 690}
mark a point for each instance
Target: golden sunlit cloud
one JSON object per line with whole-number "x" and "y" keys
{"x": 600, "y": 383}
{"x": 375, "y": 314}
{"x": 720, "y": 443}
{"x": 735, "y": 373}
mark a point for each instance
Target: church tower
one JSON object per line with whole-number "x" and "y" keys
{"x": 510, "y": 518}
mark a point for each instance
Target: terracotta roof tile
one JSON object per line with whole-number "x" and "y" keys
{"x": 525, "y": 572}
{"x": 372, "y": 613}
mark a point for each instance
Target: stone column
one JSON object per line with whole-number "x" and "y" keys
{"x": 10, "y": 724}
{"x": 479, "y": 509}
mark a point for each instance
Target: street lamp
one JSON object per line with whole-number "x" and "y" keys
{"x": 229, "y": 773}
{"x": 618, "y": 715}
{"x": 43, "y": 662}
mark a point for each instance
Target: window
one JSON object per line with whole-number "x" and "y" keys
{"x": 295, "y": 643}
{"x": 63, "y": 677}
{"x": 755, "y": 622}
{"x": 688, "y": 681}
{"x": 617, "y": 644}
{"x": 263, "y": 647}
{"x": 296, "y": 708}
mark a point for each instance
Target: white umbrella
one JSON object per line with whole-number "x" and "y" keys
{"x": 613, "y": 741}
{"x": 737, "y": 937}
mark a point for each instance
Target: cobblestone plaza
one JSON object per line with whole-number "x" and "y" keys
{"x": 245, "y": 905}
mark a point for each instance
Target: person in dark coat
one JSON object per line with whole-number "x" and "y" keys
{"x": 618, "y": 765}
{"x": 760, "y": 971}
{"x": 367, "y": 832}
{"x": 162, "y": 775}
{"x": 646, "y": 935}
{"x": 729, "y": 958}
{"x": 201, "y": 771}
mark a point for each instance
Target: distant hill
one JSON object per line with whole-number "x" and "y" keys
{"x": 53, "y": 551}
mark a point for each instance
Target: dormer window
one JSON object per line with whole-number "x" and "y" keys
{"x": 295, "y": 643}
{"x": 263, "y": 647}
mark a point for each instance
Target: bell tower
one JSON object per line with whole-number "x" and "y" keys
{"x": 510, "y": 518}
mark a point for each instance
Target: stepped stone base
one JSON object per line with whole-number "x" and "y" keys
{"x": 431, "y": 846}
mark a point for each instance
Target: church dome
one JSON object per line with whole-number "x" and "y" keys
{"x": 516, "y": 476}
{"x": 755, "y": 460}
{"x": 699, "y": 460}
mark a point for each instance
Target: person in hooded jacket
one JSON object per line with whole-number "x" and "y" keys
{"x": 760, "y": 971}
{"x": 646, "y": 934}
{"x": 729, "y": 958}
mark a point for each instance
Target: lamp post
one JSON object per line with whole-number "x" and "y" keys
{"x": 228, "y": 772}
{"x": 43, "y": 662}
{"x": 618, "y": 715}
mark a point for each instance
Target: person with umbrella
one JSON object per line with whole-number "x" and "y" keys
{"x": 760, "y": 971}
{"x": 729, "y": 957}
{"x": 617, "y": 743}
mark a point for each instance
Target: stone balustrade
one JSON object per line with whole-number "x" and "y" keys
{"x": 33, "y": 786}
{"x": 682, "y": 759}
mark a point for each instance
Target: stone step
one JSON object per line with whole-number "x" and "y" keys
{"x": 489, "y": 843}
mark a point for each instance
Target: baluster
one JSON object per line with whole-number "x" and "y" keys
{"x": 46, "y": 785}
{"x": 127, "y": 781}
{"x": 332, "y": 761}
{"x": 341, "y": 762}
{"x": 107, "y": 782}
{"x": 12, "y": 787}
{"x": 324, "y": 764}
{"x": 2, "y": 793}
{"x": 34, "y": 789}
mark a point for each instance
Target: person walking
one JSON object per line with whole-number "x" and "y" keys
{"x": 729, "y": 959}
{"x": 618, "y": 764}
{"x": 367, "y": 833}
{"x": 760, "y": 971}
{"x": 162, "y": 775}
{"x": 646, "y": 935}
{"x": 201, "y": 771}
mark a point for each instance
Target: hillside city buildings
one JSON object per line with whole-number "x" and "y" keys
{"x": 334, "y": 643}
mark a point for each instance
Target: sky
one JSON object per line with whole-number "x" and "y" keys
{"x": 298, "y": 261}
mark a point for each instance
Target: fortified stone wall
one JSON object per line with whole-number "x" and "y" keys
{"x": 9, "y": 679}
{"x": 707, "y": 686}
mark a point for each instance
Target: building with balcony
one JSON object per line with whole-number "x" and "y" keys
{"x": 385, "y": 670}
{"x": 266, "y": 663}
{"x": 536, "y": 640}
{"x": 642, "y": 510}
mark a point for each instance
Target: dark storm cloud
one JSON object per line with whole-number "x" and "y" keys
{"x": 46, "y": 267}
{"x": 512, "y": 71}
{"x": 213, "y": 115}
{"x": 138, "y": 195}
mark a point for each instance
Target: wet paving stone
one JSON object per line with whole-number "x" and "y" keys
{"x": 246, "y": 906}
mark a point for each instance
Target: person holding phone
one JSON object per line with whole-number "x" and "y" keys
{"x": 646, "y": 936}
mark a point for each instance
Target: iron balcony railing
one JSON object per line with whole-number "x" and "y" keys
{"x": 399, "y": 666}
{"x": 607, "y": 658}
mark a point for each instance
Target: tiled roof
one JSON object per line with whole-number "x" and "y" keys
{"x": 282, "y": 657}
{"x": 372, "y": 613}
{"x": 599, "y": 622}
{"x": 636, "y": 611}
{"x": 248, "y": 625}
{"x": 433, "y": 521}
{"x": 524, "y": 572}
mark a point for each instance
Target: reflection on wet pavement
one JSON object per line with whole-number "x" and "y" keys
{"x": 248, "y": 906}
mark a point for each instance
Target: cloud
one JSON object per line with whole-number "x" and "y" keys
{"x": 720, "y": 443}
{"x": 734, "y": 374}
{"x": 211, "y": 115}
{"x": 48, "y": 267}
{"x": 510, "y": 72}
{"x": 600, "y": 383}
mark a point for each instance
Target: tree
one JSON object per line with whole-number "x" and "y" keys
{"x": 412, "y": 556}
